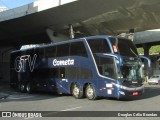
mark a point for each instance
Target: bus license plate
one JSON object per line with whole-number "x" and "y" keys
{"x": 135, "y": 93}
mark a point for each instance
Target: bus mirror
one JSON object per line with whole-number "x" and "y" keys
{"x": 148, "y": 61}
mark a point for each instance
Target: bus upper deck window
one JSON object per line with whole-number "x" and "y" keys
{"x": 99, "y": 46}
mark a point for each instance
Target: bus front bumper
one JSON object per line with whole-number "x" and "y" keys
{"x": 124, "y": 91}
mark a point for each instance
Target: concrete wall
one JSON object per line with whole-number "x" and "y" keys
{"x": 155, "y": 64}
{"x": 34, "y": 7}
{"x": 147, "y": 37}
{"x": 155, "y": 67}
{"x": 4, "y": 63}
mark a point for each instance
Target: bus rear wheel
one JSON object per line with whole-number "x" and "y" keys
{"x": 29, "y": 88}
{"x": 76, "y": 92}
{"x": 21, "y": 87}
{"x": 90, "y": 92}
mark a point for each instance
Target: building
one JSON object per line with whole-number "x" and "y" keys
{"x": 3, "y": 8}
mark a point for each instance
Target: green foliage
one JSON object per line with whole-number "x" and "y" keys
{"x": 140, "y": 51}
{"x": 153, "y": 49}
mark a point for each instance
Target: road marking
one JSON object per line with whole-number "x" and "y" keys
{"x": 71, "y": 108}
{"x": 20, "y": 97}
{"x": 58, "y": 111}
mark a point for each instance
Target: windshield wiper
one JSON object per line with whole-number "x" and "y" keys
{"x": 133, "y": 52}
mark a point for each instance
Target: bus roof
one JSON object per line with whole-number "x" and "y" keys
{"x": 63, "y": 42}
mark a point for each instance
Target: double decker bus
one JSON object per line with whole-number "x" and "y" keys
{"x": 96, "y": 66}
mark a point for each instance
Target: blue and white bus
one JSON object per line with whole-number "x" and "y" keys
{"x": 96, "y": 66}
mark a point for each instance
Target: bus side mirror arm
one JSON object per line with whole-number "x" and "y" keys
{"x": 149, "y": 63}
{"x": 147, "y": 59}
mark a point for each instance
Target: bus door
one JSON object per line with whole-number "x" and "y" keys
{"x": 107, "y": 66}
{"x": 62, "y": 82}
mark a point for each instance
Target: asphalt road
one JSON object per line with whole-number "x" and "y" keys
{"x": 56, "y": 104}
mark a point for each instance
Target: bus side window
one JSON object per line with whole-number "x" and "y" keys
{"x": 63, "y": 50}
{"x": 78, "y": 49}
{"x": 50, "y": 51}
{"x": 99, "y": 46}
{"x": 106, "y": 66}
{"x": 53, "y": 73}
{"x": 40, "y": 52}
{"x": 78, "y": 73}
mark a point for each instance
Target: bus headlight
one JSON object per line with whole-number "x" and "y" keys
{"x": 121, "y": 92}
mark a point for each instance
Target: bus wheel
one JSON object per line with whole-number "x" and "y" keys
{"x": 90, "y": 93}
{"x": 21, "y": 87}
{"x": 76, "y": 92}
{"x": 29, "y": 88}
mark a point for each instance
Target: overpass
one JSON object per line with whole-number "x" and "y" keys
{"x": 147, "y": 39}
{"x": 46, "y": 21}
{"x": 150, "y": 37}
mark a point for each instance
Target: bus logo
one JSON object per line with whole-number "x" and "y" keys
{"x": 21, "y": 62}
{"x": 63, "y": 62}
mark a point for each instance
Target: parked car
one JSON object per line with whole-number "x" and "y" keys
{"x": 155, "y": 79}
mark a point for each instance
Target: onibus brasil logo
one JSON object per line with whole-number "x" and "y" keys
{"x": 22, "y": 61}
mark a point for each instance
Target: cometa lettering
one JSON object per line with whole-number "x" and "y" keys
{"x": 63, "y": 62}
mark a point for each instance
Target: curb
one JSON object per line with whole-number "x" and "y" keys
{"x": 3, "y": 96}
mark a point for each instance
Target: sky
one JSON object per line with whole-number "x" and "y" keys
{"x": 14, "y": 3}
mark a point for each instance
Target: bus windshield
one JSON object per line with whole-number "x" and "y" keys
{"x": 108, "y": 66}
{"x": 125, "y": 47}
{"x": 131, "y": 71}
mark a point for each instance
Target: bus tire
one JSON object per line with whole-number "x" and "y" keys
{"x": 76, "y": 92}
{"x": 21, "y": 87}
{"x": 29, "y": 88}
{"x": 90, "y": 92}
